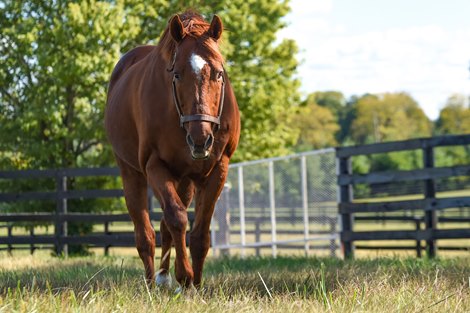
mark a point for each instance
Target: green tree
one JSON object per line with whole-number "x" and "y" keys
{"x": 262, "y": 74}
{"x": 348, "y": 116}
{"x": 454, "y": 118}
{"x": 342, "y": 109}
{"x": 387, "y": 117}
{"x": 333, "y": 100}
{"x": 317, "y": 127}
{"x": 56, "y": 58}
{"x": 382, "y": 118}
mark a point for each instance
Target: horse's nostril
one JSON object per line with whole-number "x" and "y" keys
{"x": 209, "y": 141}
{"x": 189, "y": 140}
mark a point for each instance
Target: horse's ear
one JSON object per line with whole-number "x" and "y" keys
{"x": 176, "y": 28}
{"x": 215, "y": 30}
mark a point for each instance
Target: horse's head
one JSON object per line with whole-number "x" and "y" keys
{"x": 198, "y": 83}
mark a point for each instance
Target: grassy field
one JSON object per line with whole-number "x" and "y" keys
{"x": 42, "y": 283}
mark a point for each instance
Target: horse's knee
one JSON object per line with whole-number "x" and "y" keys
{"x": 176, "y": 219}
{"x": 145, "y": 243}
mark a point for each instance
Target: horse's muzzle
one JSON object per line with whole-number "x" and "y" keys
{"x": 200, "y": 152}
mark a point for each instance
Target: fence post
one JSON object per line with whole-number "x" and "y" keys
{"x": 418, "y": 242}
{"x": 332, "y": 241}
{"x": 213, "y": 240}
{"x": 257, "y": 236}
{"x": 345, "y": 196}
{"x": 241, "y": 200}
{"x": 272, "y": 205}
{"x": 222, "y": 216}
{"x": 149, "y": 199}
{"x": 61, "y": 209}
{"x": 10, "y": 235}
{"x": 430, "y": 216}
{"x": 106, "y": 232}
{"x": 303, "y": 174}
{"x": 32, "y": 247}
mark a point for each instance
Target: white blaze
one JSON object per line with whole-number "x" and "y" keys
{"x": 197, "y": 63}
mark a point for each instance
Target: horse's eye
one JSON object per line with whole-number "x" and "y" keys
{"x": 176, "y": 76}
{"x": 220, "y": 75}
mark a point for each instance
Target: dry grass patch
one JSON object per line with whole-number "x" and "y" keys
{"x": 115, "y": 284}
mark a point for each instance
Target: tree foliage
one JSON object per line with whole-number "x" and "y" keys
{"x": 317, "y": 126}
{"x": 56, "y": 58}
{"x": 262, "y": 76}
{"x": 343, "y": 111}
{"x": 332, "y": 100}
{"x": 381, "y": 118}
{"x": 454, "y": 118}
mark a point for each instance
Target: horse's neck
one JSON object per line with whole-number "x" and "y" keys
{"x": 156, "y": 67}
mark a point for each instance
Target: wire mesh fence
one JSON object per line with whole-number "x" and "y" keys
{"x": 283, "y": 205}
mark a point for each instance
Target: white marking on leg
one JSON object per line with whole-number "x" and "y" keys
{"x": 163, "y": 280}
{"x": 197, "y": 62}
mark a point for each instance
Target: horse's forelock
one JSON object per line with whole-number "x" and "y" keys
{"x": 195, "y": 26}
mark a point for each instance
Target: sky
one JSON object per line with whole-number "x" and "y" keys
{"x": 357, "y": 46}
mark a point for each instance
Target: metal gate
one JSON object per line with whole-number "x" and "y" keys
{"x": 285, "y": 205}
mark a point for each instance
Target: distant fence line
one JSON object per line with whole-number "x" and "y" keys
{"x": 61, "y": 217}
{"x": 429, "y": 205}
{"x": 292, "y": 202}
{"x": 237, "y": 224}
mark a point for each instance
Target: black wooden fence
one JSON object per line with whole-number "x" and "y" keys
{"x": 61, "y": 217}
{"x": 429, "y": 205}
{"x": 348, "y": 207}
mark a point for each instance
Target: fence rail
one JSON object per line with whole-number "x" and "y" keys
{"x": 256, "y": 223}
{"x": 269, "y": 205}
{"x": 60, "y": 218}
{"x": 348, "y": 207}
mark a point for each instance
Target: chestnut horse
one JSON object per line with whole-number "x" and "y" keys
{"x": 173, "y": 122}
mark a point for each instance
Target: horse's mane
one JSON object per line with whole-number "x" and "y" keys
{"x": 195, "y": 26}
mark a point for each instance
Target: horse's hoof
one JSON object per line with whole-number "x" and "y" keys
{"x": 179, "y": 290}
{"x": 163, "y": 280}
{"x": 190, "y": 290}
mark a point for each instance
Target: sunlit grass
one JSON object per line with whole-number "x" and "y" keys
{"x": 43, "y": 283}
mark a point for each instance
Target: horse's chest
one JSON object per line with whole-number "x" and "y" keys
{"x": 182, "y": 165}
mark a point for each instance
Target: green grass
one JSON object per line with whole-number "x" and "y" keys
{"x": 42, "y": 283}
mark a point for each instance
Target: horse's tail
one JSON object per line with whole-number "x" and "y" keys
{"x": 127, "y": 60}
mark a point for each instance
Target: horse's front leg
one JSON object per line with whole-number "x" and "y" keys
{"x": 206, "y": 198}
{"x": 185, "y": 192}
{"x": 175, "y": 216}
{"x": 135, "y": 192}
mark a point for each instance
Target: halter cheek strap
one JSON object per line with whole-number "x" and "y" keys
{"x": 199, "y": 117}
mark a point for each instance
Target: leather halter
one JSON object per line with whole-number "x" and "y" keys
{"x": 197, "y": 117}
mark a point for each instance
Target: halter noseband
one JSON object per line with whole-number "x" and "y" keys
{"x": 197, "y": 117}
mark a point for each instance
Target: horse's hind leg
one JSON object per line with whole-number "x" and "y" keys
{"x": 135, "y": 193}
